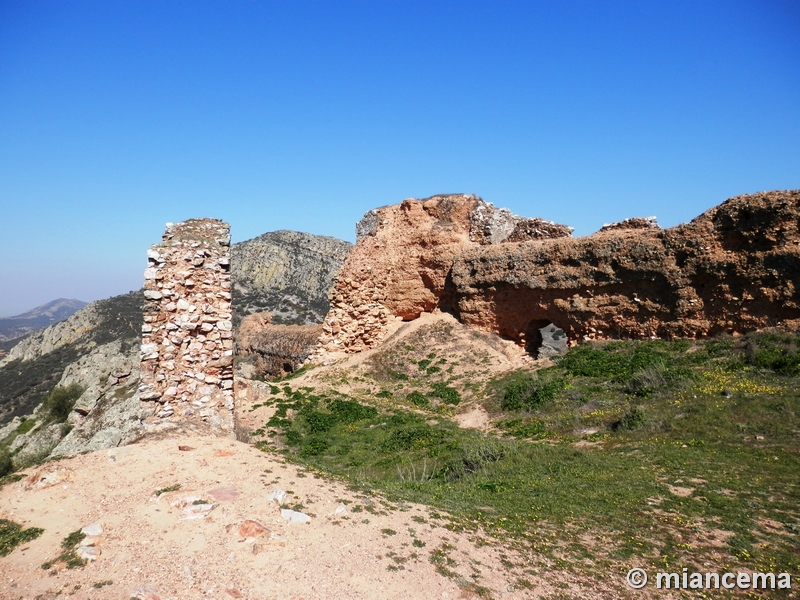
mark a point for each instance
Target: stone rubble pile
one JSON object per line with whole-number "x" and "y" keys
{"x": 357, "y": 319}
{"x": 491, "y": 225}
{"x": 187, "y": 335}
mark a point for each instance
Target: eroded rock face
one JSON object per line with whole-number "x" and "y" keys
{"x": 734, "y": 268}
{"x": 400, "y": 265}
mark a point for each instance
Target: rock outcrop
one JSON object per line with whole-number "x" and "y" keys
{"x": 287, "y": 274}
{"x": 109, "y": 412}
{"x": 734, "y": 268}
{"x": 187, "y": 334}
{"x": 402, "y": 260}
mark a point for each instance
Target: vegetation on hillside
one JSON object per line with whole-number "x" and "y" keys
{"x": 25, "y": 384}
{"x": 663, "y": 454}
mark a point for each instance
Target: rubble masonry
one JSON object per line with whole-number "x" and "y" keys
{"x": 187, "y": 335}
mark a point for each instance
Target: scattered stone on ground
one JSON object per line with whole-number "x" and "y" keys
{"x": 145, "y": 551}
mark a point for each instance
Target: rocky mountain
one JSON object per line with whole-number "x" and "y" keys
{"x": 286, "y": 273}
{"x": 38, "y": 318}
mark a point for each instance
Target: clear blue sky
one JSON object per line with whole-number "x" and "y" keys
{"x": 116, "y": 117}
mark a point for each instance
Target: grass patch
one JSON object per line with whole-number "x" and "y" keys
{"x": 164, "y": 490}
{"x": 69, "y": 558}
{"x": 13, "y": 534}
{"x": 26, "y": 426}
{"x": 708, "y": 417}
{"x": 11, "y": 478}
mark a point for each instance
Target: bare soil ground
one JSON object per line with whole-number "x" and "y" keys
{"x": 149, "y": 551}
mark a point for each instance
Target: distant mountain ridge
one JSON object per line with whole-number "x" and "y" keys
{"x": 38, "y": 318}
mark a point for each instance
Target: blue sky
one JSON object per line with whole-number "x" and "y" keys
{"x": 116, "y": 117}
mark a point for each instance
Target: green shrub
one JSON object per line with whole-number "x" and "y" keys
{"x": 417, "y": 399}
{"x": 6, "y": 465}
{"x": 587, "y": 361}
{"x": 293, "y": 437}
{"x": 716, "y": 348}
{"x": 313, "y": 446}
{"x": 634, "y": 418}
{"x": 59, "y": 403}
{"x": 416, "y": 435}
{"x": 777, "y": 351}
{"x": 445, "y": 393}
{"x": 350, "y": 411}
{"x": 529, "y": 393}
{"x": 319, "y": 422}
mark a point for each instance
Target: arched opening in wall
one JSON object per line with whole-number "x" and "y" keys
{"x": 544, "y": 339}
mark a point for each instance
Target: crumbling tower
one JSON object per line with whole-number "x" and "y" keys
{"x": 187, "y": 335}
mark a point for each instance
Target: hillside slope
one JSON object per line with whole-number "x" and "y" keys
{"x": 286, "y": 273}
{"x": 36, "y": 364}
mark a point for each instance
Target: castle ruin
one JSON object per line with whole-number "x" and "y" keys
{"x": 187, "y": 334}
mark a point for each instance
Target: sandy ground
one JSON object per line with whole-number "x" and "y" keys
{"x": 148, "y": 551}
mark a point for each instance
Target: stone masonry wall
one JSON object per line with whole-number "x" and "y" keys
{"x": 187, "y": 335}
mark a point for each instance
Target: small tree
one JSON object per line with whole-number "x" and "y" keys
{"x": 60, "y": 402}
{"x": 5, "y": 462}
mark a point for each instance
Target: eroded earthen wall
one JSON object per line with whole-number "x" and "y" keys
{"x": 399, "y": 267}
{"x": 187, "y": 335}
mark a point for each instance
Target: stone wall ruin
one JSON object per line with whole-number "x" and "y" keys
{"x": 187, "y": 335}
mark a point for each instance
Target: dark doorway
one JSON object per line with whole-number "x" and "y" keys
{"x": 544, "y": 339}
